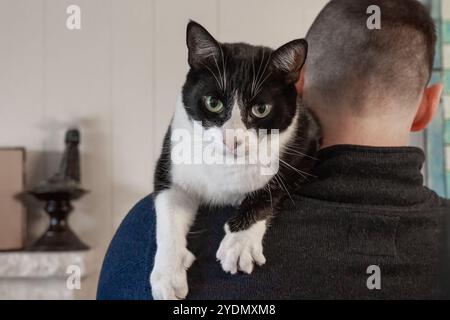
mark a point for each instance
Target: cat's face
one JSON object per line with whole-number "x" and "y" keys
{"x": 238, "y": 86}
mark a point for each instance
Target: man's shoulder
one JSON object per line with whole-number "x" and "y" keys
{"x": 437, "y": 201}
{"x": 445, "y": 202}
{"x": 127, "y": 263}
{"x": 136, "y": 228}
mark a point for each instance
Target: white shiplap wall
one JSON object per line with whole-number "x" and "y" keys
{"x": 116, "y": 79}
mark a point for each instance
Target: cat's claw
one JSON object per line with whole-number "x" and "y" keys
{"x": 239, "y": 251}
{"x": 168, "y": 279}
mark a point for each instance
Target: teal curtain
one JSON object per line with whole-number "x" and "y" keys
{"x": 438, "y": 134}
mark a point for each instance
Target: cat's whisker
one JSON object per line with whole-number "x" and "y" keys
{"x": 254, "y": 74}
{"x": 259, "y": 83}
{"x": 294, "y": 146}
{"x": 278, "y": 177}
{"x": 299, "y": 153}
{"x": 260, "y": 86}
{"x": 218, "y": 70}
{"x": 224, "y": 79}
{"x": 293, "y": 154}
{"x": 198, "y": 232}
{"x": 295, "y": 143}
{"x": 275, "y": 177}
{"x": 264, "y": 71}
{"x": 214, "y": 75}
{"x": 270, "y": 195}
{"x": 259, "y": 69}
{"x": 302, "y": 173}
{"x": 267, "y": 188}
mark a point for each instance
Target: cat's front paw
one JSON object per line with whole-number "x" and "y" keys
{"x": 239, "y": 251}
{"x": 168, "y": 279}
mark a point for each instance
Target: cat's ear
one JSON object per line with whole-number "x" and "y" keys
{"x": 203, "y": 48}
{"x": 290, "y": 58}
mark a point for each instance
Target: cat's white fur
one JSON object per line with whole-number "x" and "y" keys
{"x": 175, "y": 213}
{"x": 239, "y": 250}
{"x": 176, "y": 208}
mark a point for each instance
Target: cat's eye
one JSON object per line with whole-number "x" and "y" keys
{"x": 261, "y": 110}
{"x": 213, "y": 104}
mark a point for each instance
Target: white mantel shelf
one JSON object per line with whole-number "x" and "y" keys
{"x": 40, "y": 275}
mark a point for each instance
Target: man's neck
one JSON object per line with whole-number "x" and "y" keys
{"x": 363, "y": 132}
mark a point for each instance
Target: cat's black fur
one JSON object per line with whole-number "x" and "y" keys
{"x": 162, "y": 172}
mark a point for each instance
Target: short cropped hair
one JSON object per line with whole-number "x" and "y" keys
{"x": 349, "y": 63}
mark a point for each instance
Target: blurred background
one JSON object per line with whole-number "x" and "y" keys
{"x": 117, "y": 79}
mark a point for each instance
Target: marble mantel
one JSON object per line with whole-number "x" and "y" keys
{"x": 41, "y": 275}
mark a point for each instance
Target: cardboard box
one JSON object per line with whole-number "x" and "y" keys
{"x": 12, "y": 211}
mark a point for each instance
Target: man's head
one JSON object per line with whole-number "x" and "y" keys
{"x": 369, "y": 80}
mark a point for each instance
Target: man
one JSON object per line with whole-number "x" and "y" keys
{"x": 365, "y": 227}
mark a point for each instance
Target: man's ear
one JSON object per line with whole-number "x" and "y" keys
{"x": 290, "y": 58}
{"x": 428, "y": 107}
{"x": 202, "y": 47}
{"x": 301, "y": 82}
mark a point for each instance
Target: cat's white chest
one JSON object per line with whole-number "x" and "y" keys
{"x": 218, "y": 184}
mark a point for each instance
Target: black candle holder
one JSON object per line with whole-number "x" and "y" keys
{"x": 57, "y": 193}
{"x": 59, "y": 236}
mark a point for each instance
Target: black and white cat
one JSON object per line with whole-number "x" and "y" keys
{"x": 232, "y": 91}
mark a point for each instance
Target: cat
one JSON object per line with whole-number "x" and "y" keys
{"x": 229, "y": 88}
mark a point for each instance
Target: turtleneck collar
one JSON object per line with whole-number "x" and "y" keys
{"x": 368, "y": 175}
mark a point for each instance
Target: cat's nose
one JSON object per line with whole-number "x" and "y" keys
{"x": 232, "y": 143}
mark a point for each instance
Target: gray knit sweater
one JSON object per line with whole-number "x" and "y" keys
{"x": 366, "y": 207}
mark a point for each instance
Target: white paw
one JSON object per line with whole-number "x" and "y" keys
{"x": 168, "y": 279}
{"x": 239, "y": 251}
